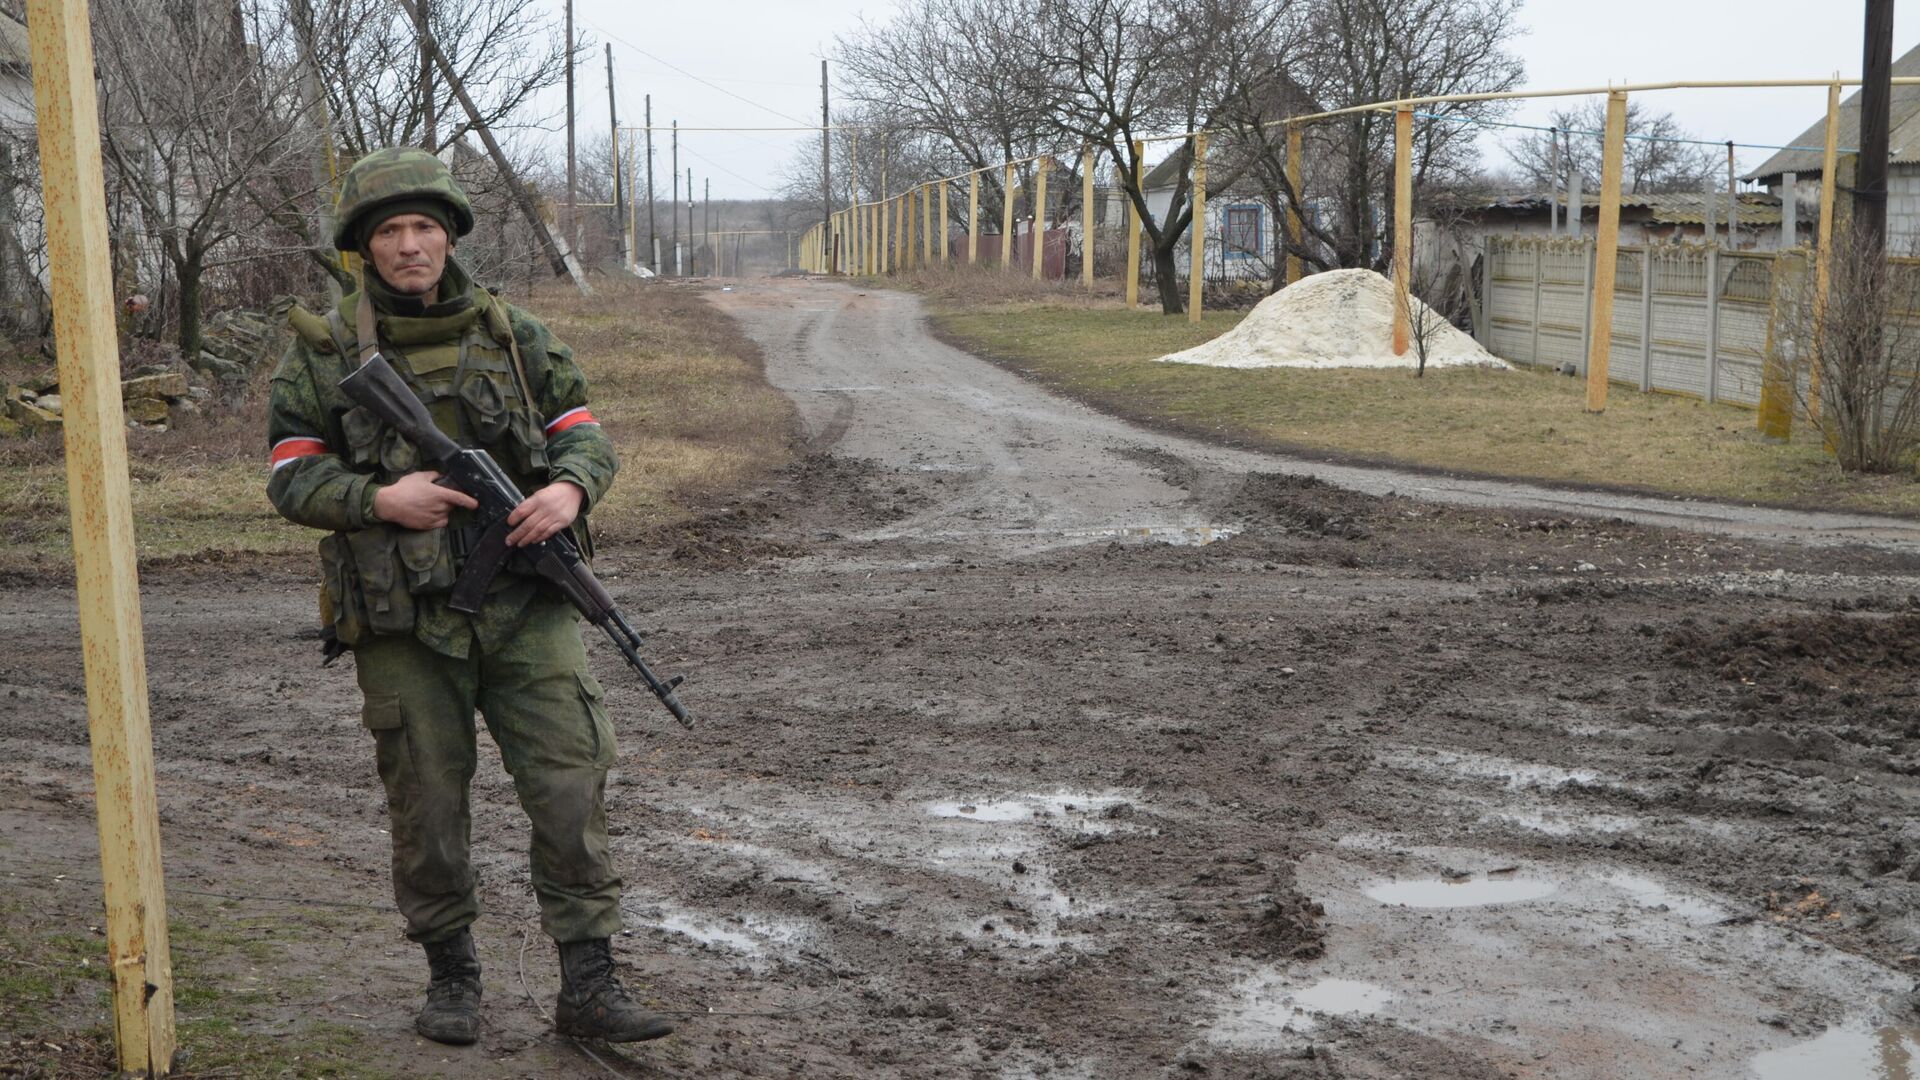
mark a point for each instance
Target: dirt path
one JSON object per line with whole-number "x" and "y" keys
{"x": 873, "y": 383}
{"x": 990, "y": 782}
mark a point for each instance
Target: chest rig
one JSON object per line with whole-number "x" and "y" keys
{"x": 466, "y": 369}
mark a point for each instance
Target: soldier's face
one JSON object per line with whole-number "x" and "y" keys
{"x": 410, "y": 252}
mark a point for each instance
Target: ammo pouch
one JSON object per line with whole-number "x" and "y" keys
{"x": 372, "y": 575}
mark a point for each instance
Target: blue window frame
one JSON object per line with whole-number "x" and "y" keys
{"x": 1243, "y": 231}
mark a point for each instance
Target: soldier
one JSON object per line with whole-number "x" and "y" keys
{"x": 492, "y": 376}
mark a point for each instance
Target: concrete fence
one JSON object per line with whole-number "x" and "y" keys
{"x": 1687, "y": 319}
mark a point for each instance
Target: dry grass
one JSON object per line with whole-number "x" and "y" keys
{"x": 1518, "y": 424}
{"x": 678, "y": 388}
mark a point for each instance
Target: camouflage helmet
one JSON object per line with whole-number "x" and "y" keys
{"x": 396, "y": 174}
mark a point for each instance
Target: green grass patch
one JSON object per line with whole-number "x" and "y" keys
{"x": 1522, "y": 424}
{"x": 677, "y": 386}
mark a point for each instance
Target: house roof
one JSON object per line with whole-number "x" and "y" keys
{"x": 1671, "y": 208}
{"x": 1903, "y": 129}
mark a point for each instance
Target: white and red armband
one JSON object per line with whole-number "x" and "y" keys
{"x": 570, "y": 418}
{"x": 293, "y": 448}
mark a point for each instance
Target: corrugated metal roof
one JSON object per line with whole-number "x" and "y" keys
{"x": 1903, "y": 122}
{"x": 1669, "y": 208}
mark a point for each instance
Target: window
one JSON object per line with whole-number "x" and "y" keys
{"x": 1243, "y": 231}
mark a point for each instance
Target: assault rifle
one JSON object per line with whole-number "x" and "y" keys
{"x": 377, "y": 386}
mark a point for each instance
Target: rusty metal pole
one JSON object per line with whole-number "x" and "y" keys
{"x": 1296, "y": 227}
{"x": 973, "y": 218}
{"x": 1006, "y": 220}
{"x": 1133, "y": 226}
{"x": 1197, "y": 241}
{"x": 1402, "y": 227}
{"x": 1040, "y": 218}
{"x": 1606, "y": 256}
{"x": 106, "y": 572}
{"x": 1086, "y": 218}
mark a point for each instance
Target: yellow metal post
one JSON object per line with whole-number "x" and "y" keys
{"x": 106, "y": 572}
{"x": 1295, "y": 227}
{"x": 1823, "y": 265}
{"x": 1402, "y": 226}
{"x": 1606, "y": 252}
{"x": 1086, "y": 218}
{"x": 1040, "y": 218}
{"x": 1197, "y": 241}
{"x": 926, "y": 225}
{"x": 1006, "y": 222}
{"x": 1133, "y": 230}
{"x": 946, "y": 228}
{"x": 973, "y": 218}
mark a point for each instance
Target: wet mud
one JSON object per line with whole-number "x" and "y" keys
{"x": 1001, "y": 773}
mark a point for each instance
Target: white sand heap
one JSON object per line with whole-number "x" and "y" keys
{"x": 1342, "y": 318}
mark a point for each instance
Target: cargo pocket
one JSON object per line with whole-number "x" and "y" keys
{"x": 383, "y": 584}
{"x": 591, "y": 693}
{"x": 529, "y": 442}
{"x": 427, "y": 557}
{"x": 342, "y": 589}
{"x": 383, "y": 715}
{"x": 362, "y": 430}
{"x": 487, "y": 408}
{"x": 381, "y": 712}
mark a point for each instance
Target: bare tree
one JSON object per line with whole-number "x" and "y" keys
{"x": 1659, "y": 157}
{"x": 200, "y": 124}
{"x": 1862, "y": 349}
{"x": 1364, "y": 51}
{"x": 1114, "y": 71}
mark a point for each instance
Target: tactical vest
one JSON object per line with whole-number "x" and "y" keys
{"x": 474, "y": 386}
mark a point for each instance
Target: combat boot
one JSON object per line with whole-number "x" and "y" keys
{"x": 593, "y": 1004}
{"x": 452, "y": 1012}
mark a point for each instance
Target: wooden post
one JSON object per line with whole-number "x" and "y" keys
{"x": 1296, "y": 228}
{"x": 1823, "y": 264}
{"x": 973, "y": 218}
{"x": 1040, "y": 218}
{"x": 1197, "y": 239}
{"x": 1086, "y": 218}
{"x": 106, "y": 572}
{"x": 926, "y": 225}
{"x": 1606, "y": 251}
{"x": 1133, "y": 229}
{"x": 946, "y": 228}
{"x": 1402, "y": 227}
{"x": 1006, "y": 221}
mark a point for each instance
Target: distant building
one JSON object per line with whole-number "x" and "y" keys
{"x": 1657, "y": 218}
{"x": 1799, "y": 167}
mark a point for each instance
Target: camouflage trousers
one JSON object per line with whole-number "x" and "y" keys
{"x": 545, "y": 712}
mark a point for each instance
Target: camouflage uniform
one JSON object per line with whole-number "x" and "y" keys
{"x": 424, "y": 669}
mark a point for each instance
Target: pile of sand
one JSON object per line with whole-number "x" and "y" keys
{"x": 1342, "y": 318}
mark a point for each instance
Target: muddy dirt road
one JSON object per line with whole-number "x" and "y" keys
{"x": 1033, "y": 745}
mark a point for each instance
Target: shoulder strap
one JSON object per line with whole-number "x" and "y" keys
{"x": 500, "y": 324}
{"x": 369, "y": 335}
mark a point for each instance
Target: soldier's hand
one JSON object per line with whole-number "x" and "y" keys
{"x": 544, "y": 513}
{"x": 415, "y": 502}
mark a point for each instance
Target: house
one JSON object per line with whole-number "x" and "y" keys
{"x": 1798, "y": 167}
{"x": 1644, "y": 218}
{"x": 1240, "y": 238}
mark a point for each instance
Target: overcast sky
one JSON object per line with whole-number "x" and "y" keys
{"x": 757, "y": 63}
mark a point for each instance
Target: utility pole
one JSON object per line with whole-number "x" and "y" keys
{"x": 693, "y": 268}
{"x": 826, "y": 172}
{"x": 706, "y": 216}
{"x": 559, "y": 255}
{"x": 673, "y": 211}
{"x": 653, "y": 238}
{"x": 429, "y": 122}
{"x": 1876, "y": 95}
{"x": 106, "y": 571}
{"x": 573, "y": 203}
{"x": 619, "y": 193}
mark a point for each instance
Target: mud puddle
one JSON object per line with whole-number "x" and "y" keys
{"x": 1846, "y": 1053}
{"x": 1269, "y": 1008}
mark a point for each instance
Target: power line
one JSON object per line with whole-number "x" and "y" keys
{"x": 695, "y": 78}
{"x": 1636, "y": 138}
{"x": 726, "y": 170}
